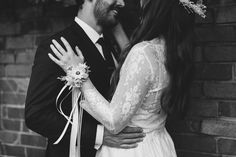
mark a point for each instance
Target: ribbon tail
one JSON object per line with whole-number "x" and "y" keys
{"x": 76, "y": 126}
{"x": 79, "y": 128}
{"x": 67, "y": 124}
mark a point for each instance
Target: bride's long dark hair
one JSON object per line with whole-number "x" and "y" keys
{"x": 168, "y": 19}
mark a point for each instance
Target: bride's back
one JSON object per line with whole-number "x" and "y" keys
{"x": 150, "y": 115}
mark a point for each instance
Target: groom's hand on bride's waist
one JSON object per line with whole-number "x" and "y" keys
{"x": 128, "y": 138}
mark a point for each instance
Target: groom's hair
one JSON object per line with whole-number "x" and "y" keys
{"x": 80, "y": 3}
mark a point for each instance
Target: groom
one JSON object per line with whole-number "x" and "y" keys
{"x": 41, "y": 114}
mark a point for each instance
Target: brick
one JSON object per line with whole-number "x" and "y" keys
{"x": 25, "y": 128}
{"x": 22, "y": 84}
{"x": 8, "y": 85}
{"x": 25, "y": 56}
{"x": 57, "y": 10}
{"x": 197, "y": 55}
{"x": 220, "y": 90}
{"x": 14, "y": 150}
{"x": 58, "y": 24}
{"x": 227, "y": 146}
{"x": 218, "y": 72}
{"x": 227, "y": 109}
{"x": 203, "y": 108}
{"x": 183, "y": 126}
{"x": 216, "y": 3}
{"x": 12, "y": 98}
{"x": 7, "y": 58}
{"x": 35, "y": 26}
{"x": 2, "y": 43}
{"x": 40, "y": 38}
{"x": 215, "y": 33}
{"x": 33, "y": 152}
{"x": 226, "y": 14}
{"x": 18, "y": 70}
{"x": 11, "y": 3}
{"x": 16, "y": 113}
{"x": 14, "y": 85}
{"x": 195, "y": 143}
{"x": 220, "y": 53}
{"x": 196, "y": 90}
{"x": 195, "y": 154}
{"x": 2, "y": 70}
{"x": 32, "y": 140}
{"x": 219, "y": 128}
{"x": 26, "y": 41}
{"x": 4, "y": 111}
{"x": 14, "y": 125}
{"x": 9, "y": 28}
{"x": 9, "y": 137}
{"x": 1, "y": 149}
{"x": 234, "y": 72}
{"x": 29, "y": 12}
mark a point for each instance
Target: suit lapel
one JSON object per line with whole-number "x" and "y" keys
{"x": 89, "y": 50}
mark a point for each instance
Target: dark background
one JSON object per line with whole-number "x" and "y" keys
{"x": 210, "y": 127}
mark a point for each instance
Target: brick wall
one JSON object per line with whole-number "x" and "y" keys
{"x": 22, "y": 26}
{"x": 210, "y": 128}
{"x": 208, "y": 131}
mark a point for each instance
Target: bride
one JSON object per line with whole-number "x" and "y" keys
{"x": 151, "y": 81}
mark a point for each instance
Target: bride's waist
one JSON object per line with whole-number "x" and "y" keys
{"x": 157, "y": 129}
{"x": 149, "y": 129}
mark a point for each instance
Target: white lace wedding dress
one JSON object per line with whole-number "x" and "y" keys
{"x": 136, "y": 102}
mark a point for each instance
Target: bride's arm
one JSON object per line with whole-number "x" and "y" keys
{"x": 135, "y": 80}
{"x": 132, "y": 87}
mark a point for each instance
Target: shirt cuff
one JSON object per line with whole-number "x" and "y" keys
{"x": 99, "y": 136}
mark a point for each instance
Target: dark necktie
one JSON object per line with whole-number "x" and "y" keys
{"x": 107, "y": 53}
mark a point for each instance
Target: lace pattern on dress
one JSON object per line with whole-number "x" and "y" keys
{"x": 139, "y": 88}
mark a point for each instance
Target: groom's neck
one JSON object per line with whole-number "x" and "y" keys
{"x": 87, "y": 15}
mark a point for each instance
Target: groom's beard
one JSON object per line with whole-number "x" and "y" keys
{"x": 106, "y": 14}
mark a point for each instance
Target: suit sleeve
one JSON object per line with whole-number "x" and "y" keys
{"x": 41, "y": 115}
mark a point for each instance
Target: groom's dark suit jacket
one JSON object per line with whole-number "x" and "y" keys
{"x": 40, "y": 111}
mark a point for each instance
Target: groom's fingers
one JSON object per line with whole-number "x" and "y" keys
{"x": 130, "y": 136}
{"x": 132, "y": 141}
{"x": 132, "y": 130}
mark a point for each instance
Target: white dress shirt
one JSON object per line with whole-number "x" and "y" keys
{"x": 93, "y": 36}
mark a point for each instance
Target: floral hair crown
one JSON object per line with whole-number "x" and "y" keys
{"x": 199, "y": 8}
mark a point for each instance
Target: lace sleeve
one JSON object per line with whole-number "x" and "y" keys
{"x": 134, "y": 83}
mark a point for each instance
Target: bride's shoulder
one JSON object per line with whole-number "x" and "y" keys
{"x": 140, "y": 46}
{"x": 153, "y": 48}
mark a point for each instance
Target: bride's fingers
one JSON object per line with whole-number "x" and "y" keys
{"x": 67, "y": 45}
{"x": 79, "y": 53}
{"x": 54, "y": 59}
{"x": 59, "y": 47}
{"x": 56, "y": 52}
